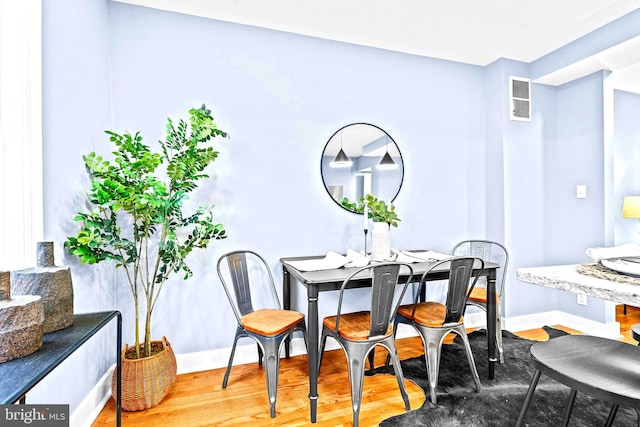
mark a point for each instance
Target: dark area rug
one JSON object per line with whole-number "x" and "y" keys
{"x": 500, "y": 401}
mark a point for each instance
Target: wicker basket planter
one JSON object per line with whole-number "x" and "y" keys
{"x": 146, "y": 381}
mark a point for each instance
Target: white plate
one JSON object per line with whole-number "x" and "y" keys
{"x": 622, "y": 265}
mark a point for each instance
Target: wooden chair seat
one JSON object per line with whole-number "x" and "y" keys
{"x": 353, "y": 326}
{"x": 270, "y": 321}
{"x": 428, "y": 313}
{"x": 480, "y": 295}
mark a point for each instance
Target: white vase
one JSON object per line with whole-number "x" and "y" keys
{"x": 380, "y": 243}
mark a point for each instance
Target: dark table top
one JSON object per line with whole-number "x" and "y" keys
{"x": 332, "y": 278}
{"x": 18, "y": 376}
{"x": 601, "y": 367}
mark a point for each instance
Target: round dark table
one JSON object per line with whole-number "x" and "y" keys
{"x": 603, "y": 368}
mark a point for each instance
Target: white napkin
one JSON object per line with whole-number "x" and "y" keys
{"x": 411, "y": 257}
{"x": 329, "y": 262}
{"x": 356, "y": 259}
{"x": 427, "y": 256}
{"x": 627, "y": 250}
{"x": 401, "y": 256}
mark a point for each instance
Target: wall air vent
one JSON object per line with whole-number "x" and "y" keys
{"x": 520, "y": 99}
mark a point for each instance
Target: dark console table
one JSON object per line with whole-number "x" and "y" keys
{"x": 18, "y": 376}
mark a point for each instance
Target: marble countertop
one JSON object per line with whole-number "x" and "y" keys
{"x": 567, "y": 278}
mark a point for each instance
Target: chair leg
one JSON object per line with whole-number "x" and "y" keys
{"x": 392, "y": 353}
{"x": 371, "y": 358}
{"x": 388, "y": 358}
{"x": 303, "y": 329}
{"x": 499, "y": 334}
{"x": 567, "y": 412}
{"x": 239, "y": 334}
{"x": 527, "y": 399}
{"x": 323, "y": 343}
{"x": 432, "y": 346}
{"x": 499, "y": 345}
{"x": 356, "y": 355}
{"x": 472, "y": 364}
{"x": 612, "y": 415}
{"x": 272, "y": 366}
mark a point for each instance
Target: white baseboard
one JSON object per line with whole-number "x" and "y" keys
{"x": 214, "y": 359}
{"x": 538, "y": 320}
{"x": 548, "y": 318}
{"x": 90, "y": 408}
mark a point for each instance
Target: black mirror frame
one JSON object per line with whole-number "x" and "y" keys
{"x": 390, "y": 140}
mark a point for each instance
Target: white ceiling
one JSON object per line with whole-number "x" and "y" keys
{"x": 469, "y": 31}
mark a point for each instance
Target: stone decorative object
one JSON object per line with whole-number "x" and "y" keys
{"x": 52, "y": 283}
{"x": 21, "y": 322}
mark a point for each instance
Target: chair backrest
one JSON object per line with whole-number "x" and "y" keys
{"x": 489, "y": 251}
{"x": 386, "y": 295}
{"x": 461, "y": 282}
{"x": 242, "y": 270}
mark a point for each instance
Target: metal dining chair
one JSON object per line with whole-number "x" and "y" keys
{"x": 360, "y": 332}
{"x": 494, "y": 252}
{"x": 434, "y": 320}
{"x": 248, "y": 274}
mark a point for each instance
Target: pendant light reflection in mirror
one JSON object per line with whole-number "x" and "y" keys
{"x": 387, "y": 162}
{"x": 360, "y": 159}
{"x": 341, "y": 160}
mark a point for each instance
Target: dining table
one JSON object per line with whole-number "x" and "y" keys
{"x": 331, "y": 279}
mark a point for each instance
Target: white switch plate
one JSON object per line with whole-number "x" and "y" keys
{"x": 581, "y": 192}
{"x": 581, "y": 299}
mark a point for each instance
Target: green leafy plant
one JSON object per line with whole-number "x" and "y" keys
{"x": 349, "y": 205}
{"x": 138, "y": 220}
{"x": 378, "y": 210}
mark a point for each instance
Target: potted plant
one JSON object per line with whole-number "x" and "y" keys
{"x": 138, "y": 221}
{"x": 383, "y": 216}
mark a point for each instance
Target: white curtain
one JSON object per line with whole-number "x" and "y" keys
{"x": 21, "y": 219}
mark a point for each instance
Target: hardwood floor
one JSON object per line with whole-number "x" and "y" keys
{"x": 197, "y": 399}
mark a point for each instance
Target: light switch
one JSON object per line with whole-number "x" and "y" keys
{"x": 581, "y": 192}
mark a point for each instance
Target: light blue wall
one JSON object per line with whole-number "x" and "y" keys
{"x": 280, "y": 97}
{"x": 575, "y": 157}
{"x": 469, "y": 171}
{"x": 626, "y": 159}
{"x": 515, "y": 159}
{"x": 76, "y": 109}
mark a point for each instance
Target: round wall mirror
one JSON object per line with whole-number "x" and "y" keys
{"x": 361, "y": 159}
